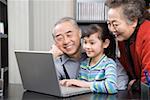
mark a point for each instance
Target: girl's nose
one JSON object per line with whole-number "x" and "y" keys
{"x": 86, "y": 46}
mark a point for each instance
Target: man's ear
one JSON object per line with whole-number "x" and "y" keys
{"x": 106, "y": 43}
{"x": 80, "y": 33}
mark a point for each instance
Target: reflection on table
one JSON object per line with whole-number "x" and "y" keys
{"x": 16, "y": 92}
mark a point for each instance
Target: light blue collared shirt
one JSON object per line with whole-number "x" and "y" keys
{"x": 72, "y": 66}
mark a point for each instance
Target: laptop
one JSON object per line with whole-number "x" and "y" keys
{"x": 38, "y": 74}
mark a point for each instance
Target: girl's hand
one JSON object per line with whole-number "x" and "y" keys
{"x": 74, "y": 82}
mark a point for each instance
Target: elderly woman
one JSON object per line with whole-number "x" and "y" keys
{"x": 127, "y": 22}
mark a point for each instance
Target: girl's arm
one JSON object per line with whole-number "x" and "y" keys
{"x": 109, "y": 84}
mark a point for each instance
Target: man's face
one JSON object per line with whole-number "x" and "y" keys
{"x": 67, "y": 38}
{"x": 118, "y": 24}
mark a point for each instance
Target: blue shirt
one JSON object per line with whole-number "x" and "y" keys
{"x": 71, "y": 65}
{"x": 102, "y": 75}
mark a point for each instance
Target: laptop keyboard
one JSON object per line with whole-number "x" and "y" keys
{"x": 68, "y": 91}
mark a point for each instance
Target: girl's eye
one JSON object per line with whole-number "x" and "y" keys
{"x": 84, "y": 42}
{"x": 92, "y": 43}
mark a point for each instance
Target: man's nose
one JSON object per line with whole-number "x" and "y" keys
{"x": 66, "y": 40}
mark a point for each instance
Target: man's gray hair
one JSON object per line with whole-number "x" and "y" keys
{"x": 66, "y": 19}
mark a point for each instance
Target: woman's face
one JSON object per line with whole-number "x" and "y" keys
{"x": 119, "y": 25}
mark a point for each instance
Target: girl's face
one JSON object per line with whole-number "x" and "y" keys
{"x": 93, "y": 46}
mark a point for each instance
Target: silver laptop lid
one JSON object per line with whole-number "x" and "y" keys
{"x": 38, "y": 72}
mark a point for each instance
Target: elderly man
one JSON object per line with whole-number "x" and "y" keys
{"x": 67, "y": 36}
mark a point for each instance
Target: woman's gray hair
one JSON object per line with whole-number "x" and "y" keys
{"x": 132, "y": 9}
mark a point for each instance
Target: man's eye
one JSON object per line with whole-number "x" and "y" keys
{"x": 59, "y": 37}
{"x": 69, "y": 32}
{"x": 69, "y": 35}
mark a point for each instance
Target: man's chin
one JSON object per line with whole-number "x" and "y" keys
{"x": 69, "y": 53}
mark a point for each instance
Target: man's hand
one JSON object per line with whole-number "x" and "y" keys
{"x": 55, "y": 51}
{"x": 74, "y": 82}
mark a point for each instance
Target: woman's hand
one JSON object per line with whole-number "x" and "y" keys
{"x": 131, "y": 83}
{"x": 74, "y": 82}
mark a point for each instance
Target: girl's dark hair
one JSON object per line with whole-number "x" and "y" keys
{"x": 103, "y": 34}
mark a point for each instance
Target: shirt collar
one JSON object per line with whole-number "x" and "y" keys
{"x": 64, "y": 58}
{"x": 102, "y": 58}
{"x": 132, "y": 39}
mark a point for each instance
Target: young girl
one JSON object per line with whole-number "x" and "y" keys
{"x": 97, "y": 72}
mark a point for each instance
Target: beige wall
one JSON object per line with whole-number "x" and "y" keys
{"x": 30, "y": 25}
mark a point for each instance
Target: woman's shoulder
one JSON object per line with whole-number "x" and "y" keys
{"x": 145, "y": 26}
{"x": 144, "y": 31}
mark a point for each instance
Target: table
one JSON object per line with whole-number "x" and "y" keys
{"x": 16, "y": 92}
